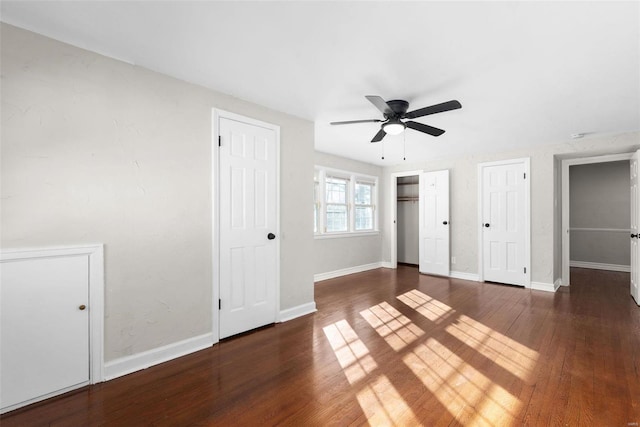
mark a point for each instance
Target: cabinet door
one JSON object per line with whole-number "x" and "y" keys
{"x": 44, "y": 336}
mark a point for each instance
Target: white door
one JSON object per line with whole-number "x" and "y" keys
{"x": 503, "y": 223}
{"x": 248, "y": 226}
{"x": 44, "y": 328}
{"x": 433, "y": 231}
{"x": 635, "y": 229}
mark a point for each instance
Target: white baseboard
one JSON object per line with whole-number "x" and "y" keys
{"x": 344, "y": 271}
{"x": 385, "y": 264}
{"x": 137, "y": 362}
{"x": 464, "y": 276}
{"x": 600, "y": 266}
{"x": 547, "y": 287}
{"x": 300, "y": 310}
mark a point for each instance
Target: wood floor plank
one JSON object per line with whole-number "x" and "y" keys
{"x": 393, "y": 347}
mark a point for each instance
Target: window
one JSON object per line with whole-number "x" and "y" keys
{"x": 336, "y": 192}
{"x": 364, "y": 206}
{"x": 344, "y": 202}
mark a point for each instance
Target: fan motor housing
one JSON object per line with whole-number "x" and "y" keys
{"x": 398, "y": 106}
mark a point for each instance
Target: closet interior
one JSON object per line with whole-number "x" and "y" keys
{"x": 407, "y": 203}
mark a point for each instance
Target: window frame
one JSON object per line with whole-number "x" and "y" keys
{"x": 370, "y": 205}
{"x": 320, "y": 179}
{"x": 347, "y": 201}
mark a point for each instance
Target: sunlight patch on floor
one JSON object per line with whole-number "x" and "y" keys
{"x": 380, "y": 401}
{"x": 352, "y": 354}
{"x": 396, "y": 328}
{"x": 469, "y": 395}
{"x": 430, "y": 308}
{"x": 383, "y": 405}
{"x": 500, "y": 349}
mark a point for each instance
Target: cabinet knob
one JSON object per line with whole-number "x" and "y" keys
{"x": 82, "y": 307}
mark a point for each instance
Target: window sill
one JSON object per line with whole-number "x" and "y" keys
{"x": 349, "y": 234}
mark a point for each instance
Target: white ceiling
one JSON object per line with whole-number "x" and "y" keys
{"x": 526, "y": 73}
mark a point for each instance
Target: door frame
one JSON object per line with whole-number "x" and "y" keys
{"x": 393, "y": 223}
{"x": 526, "y": 162}
{"x": 95, "y": 256}
{"x": 566, "y": 163}
{"x": 218, "y": 114}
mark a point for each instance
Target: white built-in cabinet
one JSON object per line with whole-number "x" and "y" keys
{"x": 51, "y": 313}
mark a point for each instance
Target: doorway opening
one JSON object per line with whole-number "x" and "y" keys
{"x": 393, "y": 197}
{"x": 433, "y": 220}
{"x": 596, "y": 214}
{"x": 407, "y": 220}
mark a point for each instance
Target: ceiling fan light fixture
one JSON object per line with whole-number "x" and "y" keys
{"x": 396, "y": 110}
{"x": 394, "y": 127}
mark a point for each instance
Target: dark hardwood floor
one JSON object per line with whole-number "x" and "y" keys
{"x": 397, "y": 348}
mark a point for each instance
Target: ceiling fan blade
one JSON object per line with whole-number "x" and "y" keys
{"x": 438, "y": 108}
{"x": 381, "y": 134}
{"x": 349, "y": 122}
{"x": 381, "y": 105}
{"x": 424, "y": 128}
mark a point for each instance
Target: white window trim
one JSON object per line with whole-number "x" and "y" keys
{"x": 353, "y": 177}
{"x": 341, "y": 234}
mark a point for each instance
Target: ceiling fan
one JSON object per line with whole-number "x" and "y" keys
{"x": 396, "y": 110}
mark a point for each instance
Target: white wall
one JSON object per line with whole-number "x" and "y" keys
{"x": 599, "y": 212}
{"x": 97, "y": 150}
{"x": 464, "y": 208}
{"x": 337, "y": 253}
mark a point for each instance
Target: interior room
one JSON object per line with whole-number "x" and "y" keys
{"x": 471, "y": 257}
{"x": 599, "y": 215}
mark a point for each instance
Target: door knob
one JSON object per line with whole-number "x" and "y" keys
{"x": 271, "y": 236}
{"x": 445, "y": 222}
{"x": 486, "y": 224}
{"x": 634, "y": 235}
{"x": 82, "y": 307}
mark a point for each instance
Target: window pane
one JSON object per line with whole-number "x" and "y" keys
{"x": 364, "y": 218}
{"x": 336, "y": 190}
{"x": 337, "y": 218}
{"x": 363, "y": 194}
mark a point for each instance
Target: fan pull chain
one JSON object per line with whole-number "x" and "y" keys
{"x": 404, "y": 145}
{"x": 382, "y": 145}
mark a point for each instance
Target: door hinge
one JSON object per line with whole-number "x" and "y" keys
{"x": 219, "y": 141}
{"x": 525, "y": 270}
{"x": 219, "y": 304}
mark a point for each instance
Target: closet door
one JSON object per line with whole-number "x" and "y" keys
{"x": 433, "y": 229}
{"x": 44, "y": 336}
{"x": 635, "y": 228}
